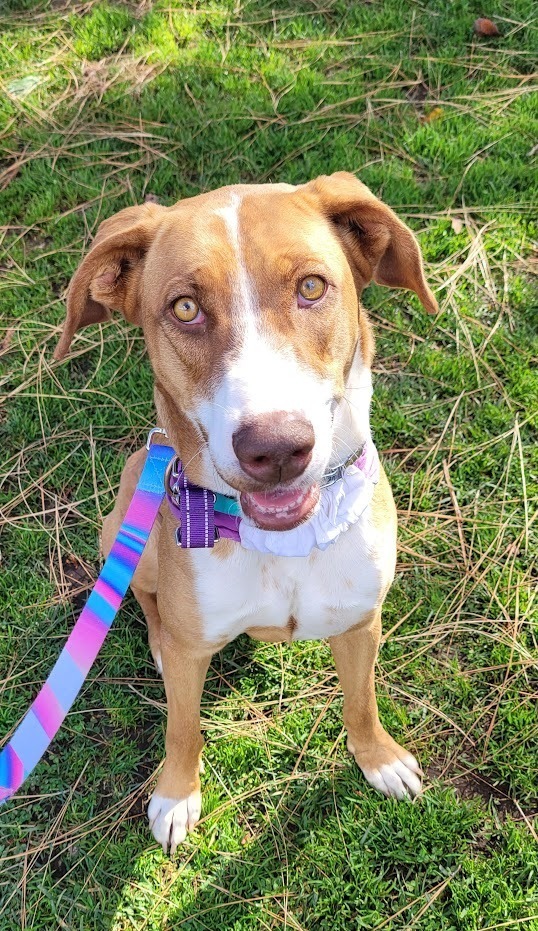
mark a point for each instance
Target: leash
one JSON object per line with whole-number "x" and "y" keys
{"x": 203, "y": 517}
{"x": 41, "y": 722}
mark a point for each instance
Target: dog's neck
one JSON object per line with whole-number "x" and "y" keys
{"x": 351, "y": 415}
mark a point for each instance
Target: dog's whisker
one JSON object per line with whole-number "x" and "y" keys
{"x": 350, "y": 402}
{"x": 195, "y": 455}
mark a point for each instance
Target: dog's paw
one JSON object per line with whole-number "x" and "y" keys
{"x": 389, "y": 768}
{"x": 171, "y": 818}
{"x": 399, "y": 778}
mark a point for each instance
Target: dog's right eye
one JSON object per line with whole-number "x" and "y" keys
{"x": 187, "y": 310}
{"x": 311, "y": 289}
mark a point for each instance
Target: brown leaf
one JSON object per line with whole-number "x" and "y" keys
{"x": 485, "y": 27}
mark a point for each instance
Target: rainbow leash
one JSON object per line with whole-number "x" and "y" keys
{"x": 38, "y": 727}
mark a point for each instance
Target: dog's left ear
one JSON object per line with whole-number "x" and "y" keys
{"x": 379, "y": 246}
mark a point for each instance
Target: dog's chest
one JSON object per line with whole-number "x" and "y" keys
{"x": 311, "y": 597}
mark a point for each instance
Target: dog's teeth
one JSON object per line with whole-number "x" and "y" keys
{"x": 282, "y": 511}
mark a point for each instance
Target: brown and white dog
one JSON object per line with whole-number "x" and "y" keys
{"x": 249, "y": 300}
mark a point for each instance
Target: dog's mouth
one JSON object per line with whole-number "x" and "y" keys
{"x": 281, "y": 509}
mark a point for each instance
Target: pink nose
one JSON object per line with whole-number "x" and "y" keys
{"x": 275, "y": 448}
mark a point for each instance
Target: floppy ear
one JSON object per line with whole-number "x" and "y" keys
{"x": 378, "y": 244}
{"x": 107, "y": 278}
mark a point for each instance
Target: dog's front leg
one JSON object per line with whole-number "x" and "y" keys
{"x": 176, "y": 802}
{"x": 386, "y": 765}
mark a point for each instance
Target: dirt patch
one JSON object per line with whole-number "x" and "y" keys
{"x": 78, "y": 578}
{"x": 418, "y": 93}
{"x": 469, "y": 785}
{"x": 36, "y": 242}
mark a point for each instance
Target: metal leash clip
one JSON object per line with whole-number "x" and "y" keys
{"x": 151, "y": 433}
{"x": 171, "y": 479}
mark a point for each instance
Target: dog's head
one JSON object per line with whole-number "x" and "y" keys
{"x": 249, "y": 299}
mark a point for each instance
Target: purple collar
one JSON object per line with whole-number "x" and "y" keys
{"x": 205, "y": 516}
{"x": 201, "y": 520}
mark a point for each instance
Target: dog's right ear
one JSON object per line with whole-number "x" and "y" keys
{"x": 108, "y": 277}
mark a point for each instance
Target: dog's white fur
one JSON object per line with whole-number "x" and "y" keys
{"x": 263, "y": 377}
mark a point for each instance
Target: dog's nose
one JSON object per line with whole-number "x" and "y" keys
{"x": 275, "y": 447}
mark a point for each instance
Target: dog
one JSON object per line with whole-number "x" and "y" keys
{"x": 249, "y": 301}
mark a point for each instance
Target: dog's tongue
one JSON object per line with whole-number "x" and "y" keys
{"x": 282, "y": 509}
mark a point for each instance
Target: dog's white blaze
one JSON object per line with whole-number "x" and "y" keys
{"x": 262, "y": 377}
{"x": 245, "y": 299}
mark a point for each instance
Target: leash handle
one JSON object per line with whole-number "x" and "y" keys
{"x": 38, "y": 727}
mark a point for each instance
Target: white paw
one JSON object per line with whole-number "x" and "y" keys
{"x": 171, "y": 818}
{"x": 400, "y": 778}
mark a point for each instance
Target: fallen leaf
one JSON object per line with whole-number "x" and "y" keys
{"x": 485, "y": 27}
{"x": 457, "y": 225}
{"x": 434, "y": 114}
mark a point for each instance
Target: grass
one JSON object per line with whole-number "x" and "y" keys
{"x": 101, "y": 105}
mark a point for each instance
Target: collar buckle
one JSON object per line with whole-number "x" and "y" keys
{"x": 171, "y": 479}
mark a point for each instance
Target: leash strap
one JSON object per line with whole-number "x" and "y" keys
{"x": 37, "y": 729}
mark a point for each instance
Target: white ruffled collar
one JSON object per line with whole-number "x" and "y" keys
{"x": 340, "y": 506}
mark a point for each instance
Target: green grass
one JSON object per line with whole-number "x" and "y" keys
{"x": 100, "y": 105}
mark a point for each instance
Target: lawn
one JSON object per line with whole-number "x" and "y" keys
{"x": 102, "y": 105}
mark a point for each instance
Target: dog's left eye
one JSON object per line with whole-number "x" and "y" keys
{"x": 311, "y": 289}
{"x": 187, "y": 310}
